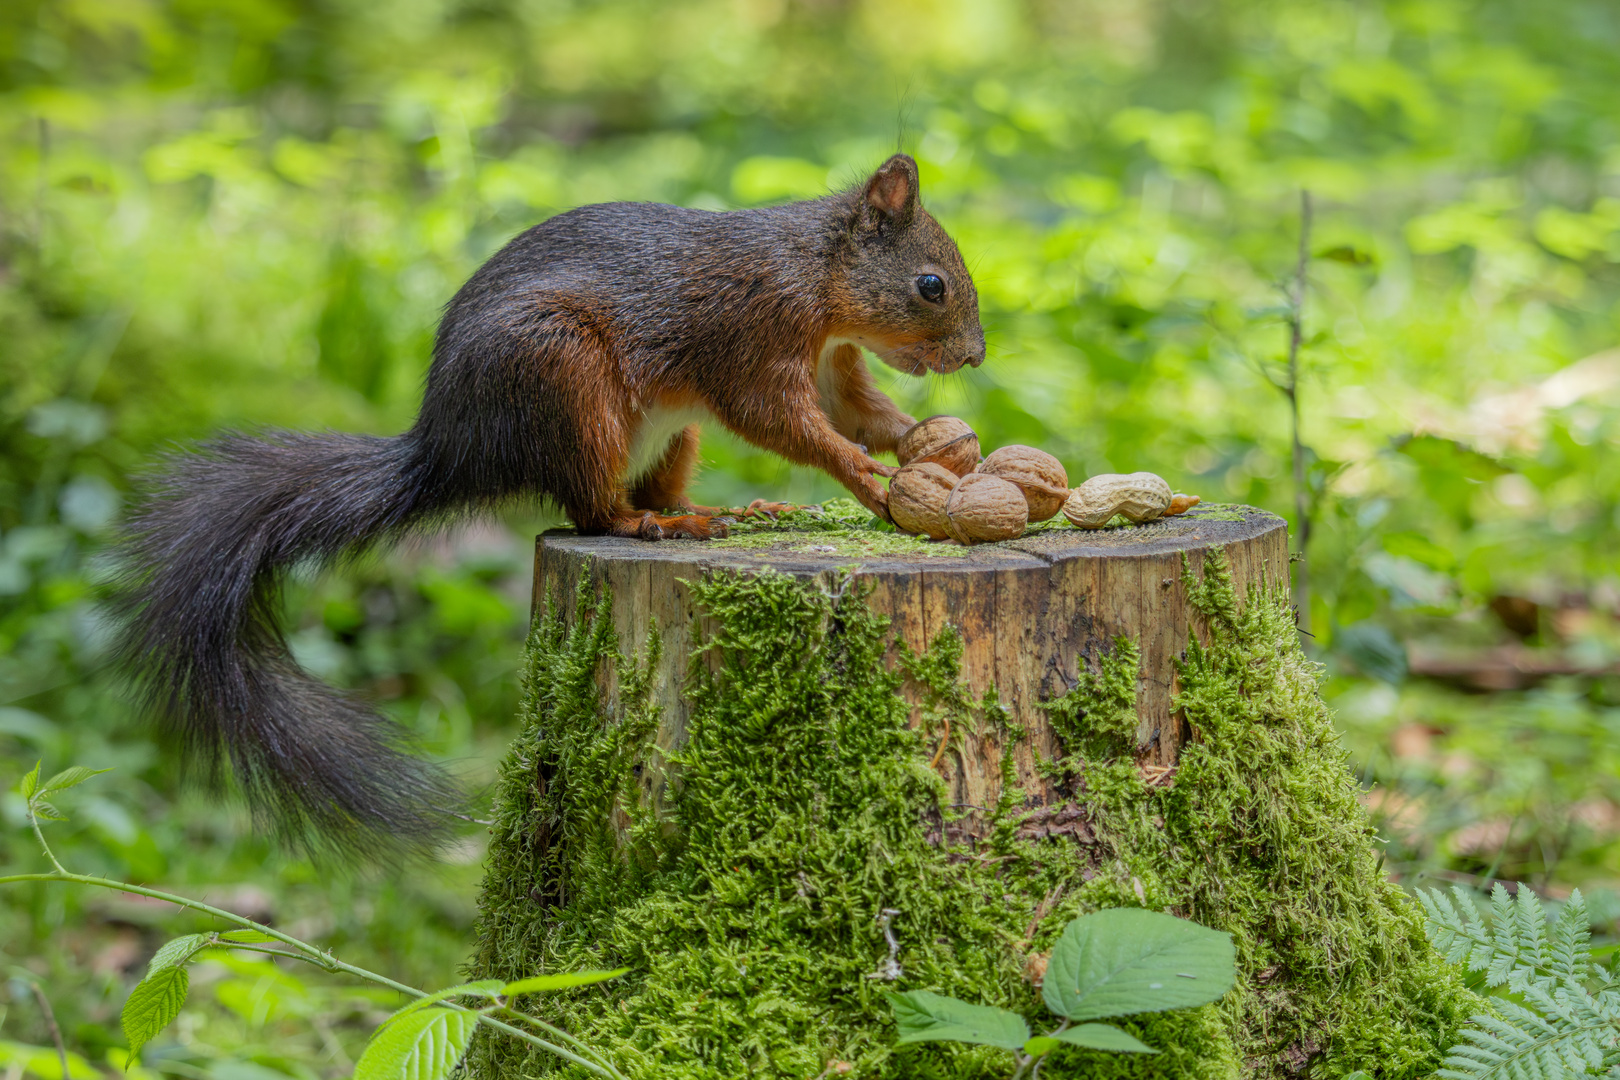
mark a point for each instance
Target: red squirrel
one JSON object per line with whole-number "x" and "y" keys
{"x": 574, "y": 366}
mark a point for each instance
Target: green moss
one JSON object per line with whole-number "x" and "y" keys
{"x": 1220, "y": 512}
{"x": 802, "y": 805}
{"x": 845, "y": 527}
{"x": 836, "y": 527}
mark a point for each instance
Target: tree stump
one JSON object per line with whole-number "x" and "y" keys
{"x": 848, "y": 762}
{"x": 1033, "y": 614}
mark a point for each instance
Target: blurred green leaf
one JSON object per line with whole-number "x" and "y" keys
{"x": 923, "y": 1016}
{"x": 70, "y": 777}
{"x": 566, "y": 980}
{"x": 1103, "y": 1037}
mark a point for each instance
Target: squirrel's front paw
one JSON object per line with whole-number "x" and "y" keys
{"x": 874, "y": 496}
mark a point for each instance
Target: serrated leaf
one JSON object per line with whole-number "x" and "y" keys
{"x": 155, "y": 1001}
{"x": 1103, "y": 1037}
{"x": 30, "y": 782}
{"x": 176, "y": 952}
{"x": 923, "y": 1016}
{"x": 483, "y": 988}
{"x": 1127, "y": 960}
{"x": 538, "y": 983}
{"x": 70, "y": 777}
{"x": 44, "y": 811}
{"x": 249, "y": 937}
{"x": 424, "y": 1045}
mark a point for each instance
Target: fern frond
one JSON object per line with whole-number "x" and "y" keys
{"x": 1515, "y": 949}
{"x": 1519, "y": 1043}
{"x": 1561, "y": 1029}
{"x": 1571, "y": 952}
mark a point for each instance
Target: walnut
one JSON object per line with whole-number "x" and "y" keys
{"x": 1039, "y": 474}
{"x": 917, "y": 495}
{"x": 984, "y": 508}
{"x": 1140, "y": 496}
{"x": 942, "y": 440}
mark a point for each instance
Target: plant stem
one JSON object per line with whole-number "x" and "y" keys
{"x": 556, "y": 1032}
{"x": 310, "y": 954}
{"x": 52, "y": 1027}
{"x": 33, "y": 820}
{"x": 1060, "y": 1029}
{"x": 1296, "y": 334}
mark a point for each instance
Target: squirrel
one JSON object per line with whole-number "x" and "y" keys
{"x": 574, "y": 366}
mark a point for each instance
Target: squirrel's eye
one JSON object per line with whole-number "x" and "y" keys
{"x": 931, "y": 287}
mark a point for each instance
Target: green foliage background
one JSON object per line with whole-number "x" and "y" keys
{"x": 248, "y": 212}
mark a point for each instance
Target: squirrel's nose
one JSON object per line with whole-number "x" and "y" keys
{"x": 976, "y": 359}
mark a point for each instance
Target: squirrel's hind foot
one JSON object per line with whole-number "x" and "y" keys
{"x": 650, "y": 526}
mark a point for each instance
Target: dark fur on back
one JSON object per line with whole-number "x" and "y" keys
{"x": 546, "y": 365}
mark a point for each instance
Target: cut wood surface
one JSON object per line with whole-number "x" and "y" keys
{"x": 1031, "y": 612}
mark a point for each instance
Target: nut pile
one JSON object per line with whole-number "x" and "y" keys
{"x": 945, "y": 490}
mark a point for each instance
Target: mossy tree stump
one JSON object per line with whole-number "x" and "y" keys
{"x": 1034, "y": 615}
{"x": 735, "y": 756}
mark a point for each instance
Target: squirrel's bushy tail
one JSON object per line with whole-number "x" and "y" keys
{"x": 203, "y": 556}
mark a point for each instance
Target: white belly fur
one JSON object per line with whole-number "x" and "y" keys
{"x": 826, "y": 374}
{"x": 659, "y": 426}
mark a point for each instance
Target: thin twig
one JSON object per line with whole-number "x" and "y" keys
{"x": 1296, "y": 334}
{"x": 51, "y": 1026}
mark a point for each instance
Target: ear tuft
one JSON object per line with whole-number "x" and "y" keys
{"x": 891, "y": 193}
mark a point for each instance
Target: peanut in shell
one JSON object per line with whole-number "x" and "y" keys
{"x": 983, "y": 509}
{"x": 917, "y": 496}
{"x": 1140, "y": 496}
{"x": 1037, "y": 473}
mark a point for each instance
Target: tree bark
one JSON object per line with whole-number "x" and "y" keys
{"x": 1032, "y": 613}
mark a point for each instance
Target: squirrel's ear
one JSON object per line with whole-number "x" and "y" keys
{"x": 891, "y": 193}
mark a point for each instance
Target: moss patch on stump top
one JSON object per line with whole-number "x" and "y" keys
{"x": 802, "y": 806}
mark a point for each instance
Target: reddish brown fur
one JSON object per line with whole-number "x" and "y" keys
{"x": 562, "y": 358}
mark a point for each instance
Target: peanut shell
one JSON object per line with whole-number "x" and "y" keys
{"x": 1039, "y": 474}
{"x": 917, "y": 495}
{"x": 984, "y": 508}
{"x": 1140, "y": 496}
{"x": 943, "y": 440}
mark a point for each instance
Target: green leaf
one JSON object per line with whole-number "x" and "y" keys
{"x": 425, "y": 1045}
{"x": 1104, "y": 1037}
{"x": 30, "y": 783}
{"x": 1041, "y": 1045}
{"x": 155, "y": 1001}
{"x": 927, "y": 1017}
{"x": 44, "y": 811}
{"x": 483, "y": 988}
{"x": 249, "y": 937}
{"x": 537, "y": 983}
{"x": 176, "y": 953}
{"x": 1126, "y": 960}
{"x": 70, "y": 777}
{"x": 1346, "y": 253}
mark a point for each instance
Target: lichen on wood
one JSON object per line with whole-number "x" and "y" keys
{"x": 802, "y": 805}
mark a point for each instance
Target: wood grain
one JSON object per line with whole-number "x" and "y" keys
{"x": 1033, "y": 613}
